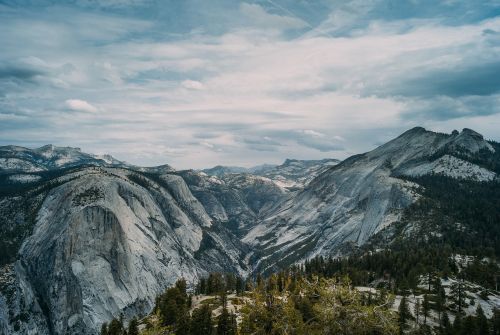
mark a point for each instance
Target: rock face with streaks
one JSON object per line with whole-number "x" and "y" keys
{"x": 348, "y": 203}
{"x": 104, "y": 244}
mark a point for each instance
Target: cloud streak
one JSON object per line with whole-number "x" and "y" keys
{"x": 80, "y": 106}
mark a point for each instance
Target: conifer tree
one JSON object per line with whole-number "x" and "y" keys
{"x": 104, "y": 329}
{"x": 457, "y": 294}
{"x": 445, "y": 324}
{"x": 133, "y": 327}
{"x": 457, "y": 324}
{"x": 416, "y": 311}
{"x": 404, "y": 315}
{"x": 468, "y": 326}
{"x": 426, "y": 306}
{"x": 496, "y": 321}
{"x": 183, "y": 324}
{"x": 482, "y": 322}
{"x": 201, "y": 321}
{"x": 225, "y": 323}
{"x": 440, "y": 300}
{"x": 115, "y": 327}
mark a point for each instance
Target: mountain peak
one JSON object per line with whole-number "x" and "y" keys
{"x": 471, "y": 140}
{"x": 417, "y": 130}
{"x": 470, "y": 132}
{"x": 47, "y": 147}
{"x": 49, "y": 157}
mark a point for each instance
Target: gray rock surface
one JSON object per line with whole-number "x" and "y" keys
{"x": 348, "y": 203}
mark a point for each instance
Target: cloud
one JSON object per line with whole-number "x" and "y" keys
{"x": 312, "y": 133}
{"x": 447, "y": 108}
{"x": 113, "y": 3}
{"x": 80, "y": 106}
{"x": 261, "y": 18}
{"x": 261, "y": 143}
{"x": 207, "y": 144}
{"x": 192, "y": 85}
{"x": 469, "y": 79}
{"x": 317, "y": 140}
{"x": 19, "y": 73}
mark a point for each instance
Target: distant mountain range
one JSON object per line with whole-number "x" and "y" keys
{"x": 292, "y": 174}
{"x": 84, "y": 238}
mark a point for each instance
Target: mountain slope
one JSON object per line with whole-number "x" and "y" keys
{"x": 237, "y": 200}
{"x": 347, "y": 204}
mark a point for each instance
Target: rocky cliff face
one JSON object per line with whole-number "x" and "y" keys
{"x": 350, "y": 202}
{"x": 108, "y": 241}
{"x": 105, "y": 239}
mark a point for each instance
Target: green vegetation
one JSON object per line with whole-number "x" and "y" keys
{"x": 284, "y": 303}
{"x": 89, "y": 195}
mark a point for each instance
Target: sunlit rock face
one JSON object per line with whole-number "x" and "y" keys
{"x": 105, "y": 245}
{"x": 348, "y": 203}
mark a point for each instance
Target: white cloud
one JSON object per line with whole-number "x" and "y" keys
{"x": 208, "y": 145}
{"x": 80, "y": 106}
{"x": 313, "y": 133}
{"x": 192, "y": 85}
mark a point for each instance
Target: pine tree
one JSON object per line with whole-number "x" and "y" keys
{"x": 201, "y": 321}
{"x": 181, "y": 285}
{"x": 404, "y": 315}
{"x": 233, "y": 325}
{"x": 425, "y": 308}
{"x": 183, "y": 324}
{"x": 224, "y": 324}
{"x": 482, "y": 322}
{"x": 416, "y": 311}
{"x": 240, "y": 285}
{"x": 104, "y": 329}
{"x": 429, "y": 280}
{"x": 115, "y": 327}
{"x": 133, "y": 327}
{"x": 496, "y": 321}
{"x": 457, "y": 325}
{"x": 469, "y": 326}
{"x": 305, "y": 307}
{"x": 224, "y": 321}
{"x": 457, "y": 294}
{"x": 440, "y": 299}
{"x": 445, "y": 324}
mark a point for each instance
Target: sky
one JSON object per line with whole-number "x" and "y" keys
{"x": 199, "y": 83}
